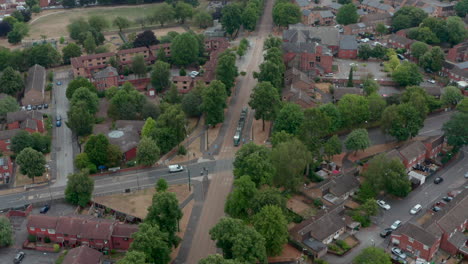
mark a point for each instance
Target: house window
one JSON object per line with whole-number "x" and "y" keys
{"x": 7, "y": 141}
{"x": 125, "y": 239}
{"x": 8, "y": 147}
{"x": 317, "y": 59}
{"x": 311, "y": 64}
{"x": 65, "y": 235}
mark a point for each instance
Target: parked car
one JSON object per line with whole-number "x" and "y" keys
{"x": 29, "y": 107}
{"x": 46, "y": 106}
{"x": 39, "y": 107}
{"x": 19, "y": 257}
{"x": 448, "y": 199}
{"x": 438, "y": 180}
{"x": 416, "y": 209}
{"x": 383, "y": 204}
{"x": 59, "y": 83}
{"x": 34, "y": 107}
{"x": 401, "y": 57}
{"x": 329, "y": 74}
{"x": 365, "y": 40}
{"x": 175, "y": 168}
{"x": 396, "y": 225}
{"x": 23, "y": 108}
{"x": 45, "y": 209}
{"x": 398, "y": 260}
{"x": 436, "y": 209}
{"x": 398, "y": 252}
{"x": 386, "y": 232}
{"x": 466, "y": 175}
{"x": 431, "y": 81}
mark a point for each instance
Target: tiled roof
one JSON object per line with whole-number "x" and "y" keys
{"x": 106, "y": 72}
{"x": 8, "y": 134}
{"x": 71, "y": 225}
{"x": 455, "y": 216}
{"x": 435, "y": 140}
{"x": 20, "y": 116}
{"x": 394, "y": 154}
{"x": 335, "y": 6}
{"x": 132, "y": 50}
{"x": 83, "y": 255}
{"x": 400, "y": 39}
{"x": 326, "y": 226}
{"x": 463, "y": 65}
{"x": 299, "y": 47}
{"x": 97, "y": 229}
{"x": 124, "y": 230}
{"x": 417, "y": 233}
{"x": 303, "y": 3}
{"x": 412, "y": 150}
{"x": 36, "y": 79}
{"x": 326, "y": 14}
{"x": 344, "y": 184}
{"x": 29, "y": 123}
{"x": 42, "y": 221}
{"x": 348, "y": 42}
{"x": 328, "y": 36}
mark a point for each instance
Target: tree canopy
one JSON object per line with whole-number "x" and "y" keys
{"x": 184, "y": 49}
{"x": 153, "y": 242}
{"x": 265, "y": 101}
{"x": 6, "y": 232}
{"x": 358, "y": 139}
{"x": 79, "y": 188}
{"x": 11, "y": 82}
{"x": 372, "y": 255}
{"x": 354, "y": 110}
{"x": 401, "y": 121}
{"x": 255, "y": 161}
{"x": 271, "y": 223}
{"x": 456, "y": 130}
{"x": 238, "y": 201}
{"x": 286, "y": 13}
{"x": 407, "y": 73}
{"x": 347, "y": 14}
{"x": 231, "y": 18}
{"x": 289, "y": 119}
{"x": 214, "y": 101}
{"x": 31, "y": 162}
{"x": 147, "y": 151}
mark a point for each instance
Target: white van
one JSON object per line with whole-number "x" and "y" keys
{"x": 175, "y": 168}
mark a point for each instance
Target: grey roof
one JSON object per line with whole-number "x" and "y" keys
{"x": 376, "y": 4}
{"x": 463, "y": 65}
{"x": 299, "y": 47}
{"x": 455, "y": 216}
{"x": 21, "y": 116}
{"x": 126, "y": 135}
{"x": 361, "y": 12}
{"x": 348, "y": 42}
{"x": 29, "y": 123}
{"x": 412, "y": 150}
{"x": 417, "y": 233}
{"x": 306, "y": 12}
{"x": 326, "y": 226}
{"x": 335, "y": 6}
{"x": 433, "y": 90}
{"x": 303, "y": 3}
{"x": 36, "y": 79}
{"x": 344, "y": 184}
{"x": 326, "y": 14}
{"x": 315, "y": 245}
{"x": 400, "y": 39}
{"x": 428, "y": 9}
{"x": 106, "y": 72}
{"x": 394, "y": 154}
{"x": 328, "y": 36}
{"x": 8, "y": 134}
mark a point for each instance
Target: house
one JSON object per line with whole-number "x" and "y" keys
{"x": 6, "y": 169}
{"x": 83, "y": 254}
{"x": 432, "y": 90}
{"x": 31, "y": 121}
{"x": 76, "y": 230}
{"x": 377, "y": 18}
{"x": 326, "y": 36}
{"x": 299, "y": 88}
{"x": 374, "y": 6}
{"x": 304, "y": 4}
{"x": 411, "y": 237}
{"x": 413, "y": 153}
{"x": 34, "y": 93}
{"x": 126, "y": 135}
{"x": 308, "y": 57}
{"x": 399, "y": 42}
{"x": 126, "y": 56}
{"x": 44, "y": 3}
{"x": 319, "y": 17}
{"x": 106, "y": 78}
{"x": 358, "y": 28}
{"x": 339, "y": 92}
{"x": 458, "y": 53}
{"x": 335, "y": 7}
{"x": 85, "y": 66}
{"x": 348, "y": 47}
{"x": 454, "y": 72}
{"x": 343, "y": 186}
{"x": 433, "y": 146}
{"x": 5, "y": 139}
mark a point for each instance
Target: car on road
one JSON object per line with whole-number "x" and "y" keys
{"x": 58, "y": 123}
{"x": 466, "y": 175}
{"x": 431, "y": 81}
{"x": 44, "y": 209}
{"x": 398, "y": 252}
{"x": 383, "y": 204}
{"x": 415, "y": 209}
{"x": 175, "y": 168}
{"x": 19, "y": 257}
{"x": 436, "y": 209}
{"x": 438, "y": 180}
{"x": 59, "y": 83}
{"x": 396, "y": 225}
{"x": 386, "y": 232}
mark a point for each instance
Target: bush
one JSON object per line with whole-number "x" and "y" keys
{"x": 181, "y": 150}
{"x": 49, "y": 87}
{"x": 314, "y": 177}
{"x": 363, "y": 219}
{"x": 56, "y": 248}
{"x": 182, "y": 72}
{"x": 243, "y": 73}
{"x": 92, "y": 168}
{"x": 318, "y": 202}
{"x": 333, "y": 247}
{"x": 47, "y": 239}
{"x": 342, "y": 244}
{"x": 62, "y": 40}
{"x": 130, "y": 163}
{"x": 32, "y": 238}
{"x": 320, "y": 261}
{"x": 50, "y": 76}
{"x": 292, "y": 216}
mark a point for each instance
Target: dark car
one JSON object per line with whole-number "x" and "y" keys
{"x": 39, "y": 107}
{"x": 448, "y": 199}
{"x": 436, "y": 209}
{"x": 34, "y": 107}
{"x": 19, "y": 257}
{"x": 45, "y": 209}
{"x": 386, "y": 232}
{"x": 46, "y": 106}
{"x": 438, "y": 180}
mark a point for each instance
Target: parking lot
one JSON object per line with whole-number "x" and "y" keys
{"x": 360, "y": 69}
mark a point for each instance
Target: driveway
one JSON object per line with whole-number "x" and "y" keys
{"x": 32, "y": 256}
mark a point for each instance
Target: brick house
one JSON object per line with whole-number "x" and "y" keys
{"x": 304, "y": 4}
{"x": 326, "y": 36}
{"x": 401, "y": 42}
{"x": 299, "y": 88}
{"x": 416, "y": 240}
{"x": 73, "y": 231}
{"x": 348, "y": 47}
{"x": 454, "y": 72}
{"x": 458, "y": 53}
{"x": 87, "y": 65}
{"x": 83, "y": 254}
{"x": 106, "y": 78}
{"x": 413, "y": 153}
{"x": 6, "y": 169}
{"x": 126, "y": 56}
{"x": 322, "y": 18}
{"x": 34, "y": 92}
{"x": 44, "y": 3}
{"x": 308, "y": 57}
{"x": 31, "y": 121}
{"x": 5, "y": 139}
{"x": 374, "y": 6}
{"x": 335, "y": 7}
{"x": 166, "y": 46}
{"x": 377, "y": 18}
{"x": 358, "y": 28}
{"x": 433, "y": 146}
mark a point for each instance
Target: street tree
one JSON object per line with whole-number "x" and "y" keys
{"x": 184, "y": 49}
{"x": 203, "y": 19}
{"x": 372, "y": 255}
{"x": 332, "y": 147}
{"x": 354, "y": 110}
{"x": 6, "y": 232}
{"x": 170, "y": 127}
{"x": 217, "y": 259}
{"x": 31, "y": 162}
{"x": 114, "y": 156}
{"x": 285, "y": 13}
{"x": 11, "y": 82}
{"x": 381, "y": 29}
{"x": 149, "y": 127}
{"x": 290, "y": 160}
{"x": 279, "y": 137}
{"x": 347, "y": 14}
{"x": 79, "y": 188}
{"x": 238, "y": 201}
{"x": 226, "y": 70}
{"x": 289, "y": 119}
{"x": 271, "y": 223}
{"x": 456, "y": 130}
{"x": 165, "y": 212}
{"x": 408, "y": 16}
{"x": 161, "y": 185}
{"x": 160, "y": 76}
{"x": 272, "y": 42}
{"x": 358, "y": 139}
{"x": 78, "y": 83}
{"x": 432, "y": 59}
{"x": 8, "y": 104}
{"x": 370, "y": 207}
{"x": 139, "y": 65}
{"x": 364, "y": 51}
{"x": 96, "y": 148}
{"x": 154, "y": 243}
{"x": 239, "y": 241}
{"x": 121, "y": 23}
{"x": 255, "y": 161}
{"x": 80, "y": 120}
{"x": 249, "y": 18}
{"x": 70, "y": 51}
{"x": 84, "y": 96}
{"x": 147, "y": 152}
{"x": 418, "y": 49}
{"x": 420, "y": 99}
{"x": 407, "y": 73}
{"x": 183, "y": 11}
{"x": 265, "y": 101}
{"x": 270, "y": 72}
{"x": 268, "y": 196}
{"x": 331, "y": 110}
{"x": 231, "y": 18}
{"x": 163, "y": 13}
{"x": 133, "y": 257}
{"x": 43, "y": 54}
{"x": 191, "y": 103}
{"x": 461, "y": 7}
{"x": 214, "y": 101}
{"x": 377, "y": 105}
{"x": 401, "y": 121}
{"x": 451, "y": 96}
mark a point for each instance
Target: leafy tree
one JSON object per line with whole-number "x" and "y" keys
{"x": 408, "y": 16}
{"x": 191, "y": 103}
{"x": 350, "y": 78}
{"x": 8, "y": 104}
{"x": 290, "y": 160}
{"x": 5, "y": 28}
{"x": 272, "y": 42}
{"x": 461, "y": 7}
{"x": 279, "y": 137}
{"x": 419, "y": 98}
{"x": 133, "y": 257}
{"x": 150, "y": 110}
{"x": 183, "y": 11}
{"x": 332, "y": 111}
{"x": 21, "y": 141}
{"x": 392, "y": 63}
{"x": 126, "y": 104}
{"x": 71, "y": 51}
{"x": 217, "y": 259}
{"x": 418, "y": 49}
{"x": 203, "y": 19}
{"x": 31, "y": 162}
{"x": 268, "y": 196}
{"x": 370, "y": 207}
{"x": 249, "y": 18}
{"x": 139, "y": 65}
{"x": 457, "y": 31}
{"x": 114, "y": 156}
{"x": 424, "y": 34}
{"x": 170, "y": 127}
{"x": 438, "y": 26}
{"x": 238, "y": 201}
{"x": 332, "y": 147}
{"x": 255, "y": 161}
{"x": 432, "y": 59}
{"x": 289, "y": 119}
{"x": 99, "y": 23}
{"x": 462, "y": 106}
{"x": 381, "y": 29}
{"x": 315, "y": 126}
{"x": 96, "y": 148}
{"x": 77, "y": 83}
{"x": 226, "y": 70}
{"x": 89, "y": 43}
{"x": 231, "y": 19}
{"x": 377, "y": 105}
{"x": 160, "y": 76}
{"x": 379, "y": 52}
{"x": 11, "y": 82}
{"x": 149, "y": 127}
{"x": 80, "y": 120}
{"x": 147, "y": 152}
{"x": 271, "y": 223}
{"x": 358, "y": 139}
{"x": 89, "y": 98}
{"x": 239, "y": 241}
{"x": 79, "y": 188}
{"x": 364, "y": 51}
{"x": 214, "y": 101}
{"x": 43, "y": 54}
{"x": 406, "y": 74}
{"x": 6, "y": 232}
{"x": 121, "y": 23}
{"x": 354, "y": 110}
{"x": 82, "y": 161}
{"x": 347, "y": 14}
{"x": 401, "y": 121}
{"x": 165, "y": 212}
{"x": 370, "y": 86}
{"x": 451, "y": 96}
{"x": 153, "y": 242}
{"x": 270, "y": 72}
{"x": 161, "y": 185}
{"x": 372, "y": 255}
{"x": 456, "y": 130}
{"x": 145, "y": 39}
{"x": 19, "y": 31}
{"x": 184, "y": 49}
{"x": 285, "y": 13}
{"x": 265, "y": 101}
{"x": 163, "y": 13}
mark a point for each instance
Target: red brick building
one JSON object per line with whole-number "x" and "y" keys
{"x": 83, "y": 254}
{"x": 459, "y": 53}
{"x": 316, "y": 18}
{"x": 401, "y": 42}
{"x": 416, "y": 240}
{"x": 6, "y": 169}
{"x": 31, "y": 121}
{"x": 433, "y": 146}
{"x": 5, "y": 139}
{"x": 106, "y": 78}
{"x": 74, "y": 231}
{"x": 348, "y": 47}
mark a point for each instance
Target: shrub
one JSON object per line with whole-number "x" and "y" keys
{"x": 363, "y": 219}
{"x": 130, "y": 163}
{"x": 342, "y": 244}
{"x": 32, "y": 238}
{"x": 314, "y": 177}
{"x": 62, "y": 40}
{"x": 49, "y": 87}
{"x": 56, "y": 248}
{"x": 333, "y": 247}
{"x": 47, "y": 239}
{"x": 50, "y": 76}
{"x": 318, "y": 202}
{"x": 320, "y": 261}
{"x": 61, "y": 257}
{"x": 182, "y": 150}
{"x": 182, "y": 72}
{"x": 243, "y": 73}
